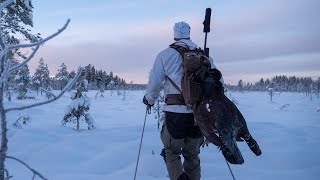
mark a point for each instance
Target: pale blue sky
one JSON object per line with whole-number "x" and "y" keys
{"x": 248, "y": 39}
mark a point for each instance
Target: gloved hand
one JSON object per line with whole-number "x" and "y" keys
{"x": 145, "y": 101}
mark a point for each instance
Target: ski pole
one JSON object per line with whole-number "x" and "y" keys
{"x": 148, "y": 111}
{"x": 230, "y": 170}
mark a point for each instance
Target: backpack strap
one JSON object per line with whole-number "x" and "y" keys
{"x": 174, "y": 84}
{"x": 180, "y": 49}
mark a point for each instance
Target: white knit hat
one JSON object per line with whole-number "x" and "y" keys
{"x": 181, "y": 30}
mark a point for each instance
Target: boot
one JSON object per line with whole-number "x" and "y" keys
{"x": 183, "y": 176}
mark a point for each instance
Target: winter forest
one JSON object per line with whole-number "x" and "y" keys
{"x": 85, "y": 123}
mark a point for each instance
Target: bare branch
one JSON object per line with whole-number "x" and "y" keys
{"x": 27, "y": 166}
{"x": 38, "y": 43}
{"x": 26, "y": 60}
{"x": 7, "y": 174}
{"x": 42, "y": 40}
{"x": 48, "y": 92}
{"x": 65, "y": 89}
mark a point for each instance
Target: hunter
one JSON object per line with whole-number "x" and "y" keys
{"x": 179, "y": 134}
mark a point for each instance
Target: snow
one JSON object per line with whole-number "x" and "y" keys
{"x": 17, "y": 77}
{"x": 208, "y": 107}
{"x": 27, "y": 4}
{"x": 289, "y": 136}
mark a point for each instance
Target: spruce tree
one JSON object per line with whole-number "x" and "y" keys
{"x": 23, "y": 82}
{"x": 41, "y": 76}
{"x": 62, "y": 76}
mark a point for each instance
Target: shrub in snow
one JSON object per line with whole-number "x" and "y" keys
{"x": 9, "y": 93}
{"x": 100, "y": 92}
{"x": 78, "y": 109}
{"x": 22, "y": 120}
{"x": 271, "y": 93}
{"x": 48, "y": 92}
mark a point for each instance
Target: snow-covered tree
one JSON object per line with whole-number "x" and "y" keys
{"x": 22, "y": 79}
{"x": 240, "y": 85}
{"x": 41, "y": 75}
{"x": 16, "y": 18}
{"x": 78, "y": 109}
{"x": 271, "y": 93}
{"x": 100, "y": 88}
{"x": 62, "y": 76}
{"x": 7, "y": 69}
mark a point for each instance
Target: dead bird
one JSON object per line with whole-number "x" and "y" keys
{"x": 222, "y": 123}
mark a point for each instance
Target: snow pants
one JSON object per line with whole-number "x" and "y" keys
{"x": 180, "y": 136}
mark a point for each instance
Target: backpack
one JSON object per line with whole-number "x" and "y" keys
{"x": 196, "y": 67}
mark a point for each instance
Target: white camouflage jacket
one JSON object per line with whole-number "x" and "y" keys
{"x": 169, "y": 63}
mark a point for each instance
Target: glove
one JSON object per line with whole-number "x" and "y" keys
{"x": 145, "y": 101}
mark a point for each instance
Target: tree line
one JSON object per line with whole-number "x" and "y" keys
{"x": 22, "y": 81}
{"x": 280, "y": 83}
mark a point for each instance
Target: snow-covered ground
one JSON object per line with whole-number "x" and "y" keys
{"x": 287, "y": 130}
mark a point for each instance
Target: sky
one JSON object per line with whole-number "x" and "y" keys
{"x": 249, "y": 39}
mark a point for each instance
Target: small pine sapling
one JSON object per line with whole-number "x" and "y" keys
{"x": 101, "y": 89}
{"x": 48, "y": 92}
{"x": 79, "y": 107}
{"x": 271, "y": 93}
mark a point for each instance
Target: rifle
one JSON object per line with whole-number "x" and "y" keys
{"x": 206, "y": 29}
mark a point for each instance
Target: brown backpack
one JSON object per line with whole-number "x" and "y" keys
{"x": 196, "y": 67}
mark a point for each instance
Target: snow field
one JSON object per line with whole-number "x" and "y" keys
{"x": 287, "y": 130}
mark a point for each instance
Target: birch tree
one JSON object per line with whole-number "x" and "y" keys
{"x": 8, "y": 69}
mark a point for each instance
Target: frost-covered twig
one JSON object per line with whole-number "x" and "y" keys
{"x": 5, "y": 4}
{"x": 26, "y": 60}
{"x": 7, "y": 174}
{"x": 27, "y": 166}
{"x": 284, "y": 106}
{"x": 65, "y": 89}
{"x": 38, "y": 43}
